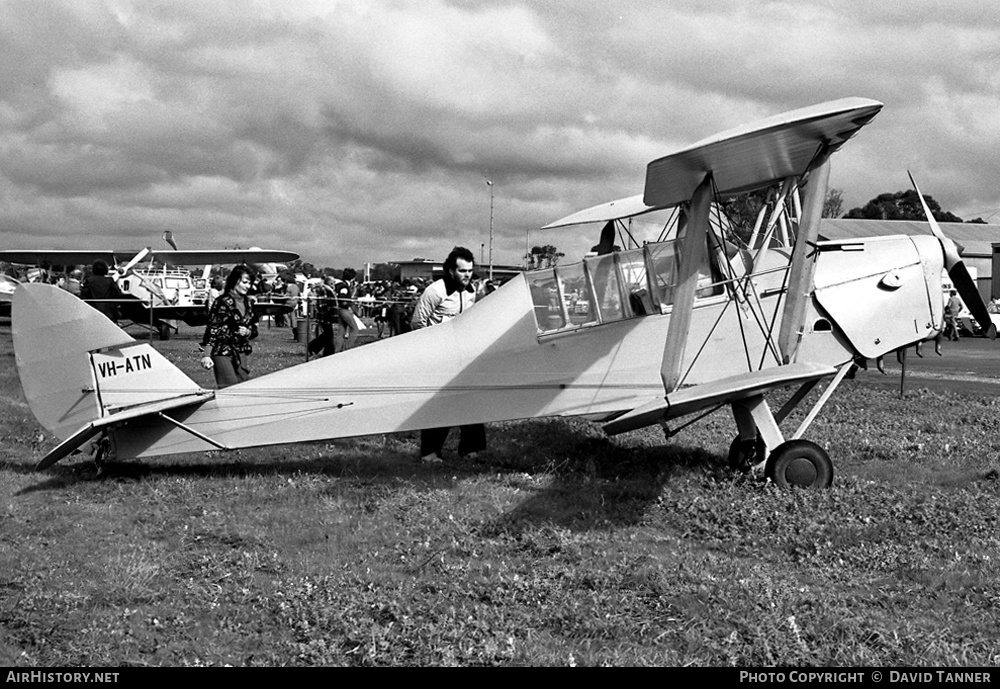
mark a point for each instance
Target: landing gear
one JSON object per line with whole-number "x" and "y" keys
{"x": 744, "y": 455}
{"x": 799, "y": 464}
{"x": 163, "y": 330}
{"x": 96, "y": 451}
{"x": 102, "y": 450}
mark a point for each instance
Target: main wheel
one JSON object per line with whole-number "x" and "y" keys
{"x": 800, "y": 464}
{"x": 163, "y": 329}
{"x": 745, "y": 454}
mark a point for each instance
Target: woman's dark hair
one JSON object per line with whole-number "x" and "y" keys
{"x": 459, "y": 252}
{"x": 234, "y": 277}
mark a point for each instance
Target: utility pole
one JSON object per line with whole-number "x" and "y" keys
{"x": 489, "y": 183}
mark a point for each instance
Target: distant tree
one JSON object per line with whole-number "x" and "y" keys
{"x": 543, "y": 257}
{"x": 743, "y": 210}
{"x": 902, "y": 205}
{"x": 833, "y": 206}
{"x": 385, "y": 271}
{"x": 976, "y": 221}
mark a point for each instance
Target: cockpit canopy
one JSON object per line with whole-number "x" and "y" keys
{"x": 616, "y": 286}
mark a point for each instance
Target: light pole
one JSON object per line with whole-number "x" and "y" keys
{"x": 489, "y": 183}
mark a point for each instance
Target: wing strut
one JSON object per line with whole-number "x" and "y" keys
{"x": 800, "y": 278}
{"x": 185, "y": 427}
{"x": 693, "y": 250}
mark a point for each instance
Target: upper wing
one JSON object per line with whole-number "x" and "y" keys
{"x": 740, "y": 159}
{"x": 171, "y": 257}
{"x": 204, "y": 257}
{"x": 62, "y": 257}
{"x": 613, "y": 210}
{"x": 757, "y": 155}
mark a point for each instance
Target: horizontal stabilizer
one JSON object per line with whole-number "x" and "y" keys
{"x": 697, "y": 397}
{"x": 87, "y": 432}
{"x": 67, "y": 446}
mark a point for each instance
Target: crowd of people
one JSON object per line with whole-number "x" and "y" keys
{"x": 337, "y": 305}
{"x": 386, "y": 305}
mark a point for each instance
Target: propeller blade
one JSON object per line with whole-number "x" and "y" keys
{"x": 135, "y": 259}
{"x": 951, "y": 255}
{"x": 957, "y": 271}
{"x": 967, "y": 289}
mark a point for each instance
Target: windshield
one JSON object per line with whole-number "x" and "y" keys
{"x": 612, "y": 287}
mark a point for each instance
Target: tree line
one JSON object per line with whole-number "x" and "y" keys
{"x": 900, "y": 205}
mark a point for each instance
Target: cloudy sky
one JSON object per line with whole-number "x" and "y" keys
{"x": 364, "y": 130}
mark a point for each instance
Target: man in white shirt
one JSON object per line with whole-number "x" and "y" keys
{"x": 442, "y": 300}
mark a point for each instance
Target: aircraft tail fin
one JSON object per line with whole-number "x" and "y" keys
{"x": 79, "y": 369}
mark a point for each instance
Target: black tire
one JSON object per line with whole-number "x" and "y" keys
{"x": 744, "y": 455}
{"x": 163, "y": 329}
{"x": 799, "y": 464}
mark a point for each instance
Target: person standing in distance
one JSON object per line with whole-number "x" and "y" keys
{"x": 232, "y": 324}
{"x": 441, "y": 301}
{"x": 952, "y": 308}
{"x": 292, "y": 293}
{"x": 103, "y": 290}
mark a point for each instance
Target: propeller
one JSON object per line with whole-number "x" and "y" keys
{"x": 122, "y": 272}
{"x": 958, "y": 273}
{"x": 135, "y": 259}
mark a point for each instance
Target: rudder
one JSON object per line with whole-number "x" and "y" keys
{"x": 76, "y": 366}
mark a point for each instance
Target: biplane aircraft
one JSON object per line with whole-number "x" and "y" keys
{"x": 664, "y": 331}
{"x": 157, "y": 297}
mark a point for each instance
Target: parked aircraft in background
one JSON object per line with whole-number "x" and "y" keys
{"x": 669, "y": 329}
{"x": 7, "y": 287}
{"x": 159, "y": 296}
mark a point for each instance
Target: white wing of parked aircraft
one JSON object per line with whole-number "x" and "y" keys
{"x": 157, "y": 295}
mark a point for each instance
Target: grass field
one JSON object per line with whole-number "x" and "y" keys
{"x": 558, "y": 547}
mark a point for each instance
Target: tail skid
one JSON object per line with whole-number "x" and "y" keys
{"x": 82, "y": 374}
